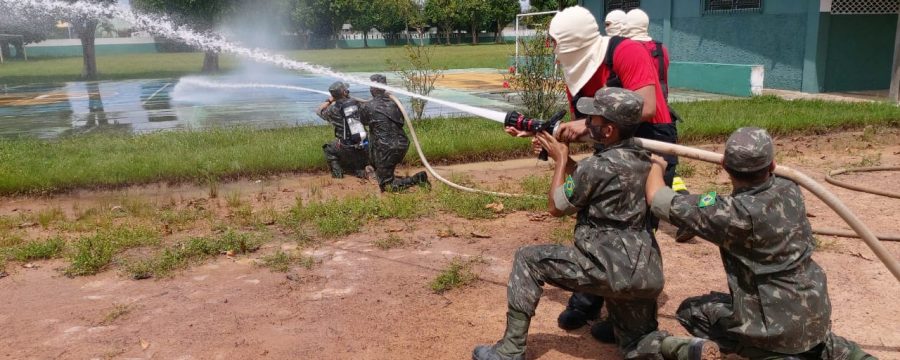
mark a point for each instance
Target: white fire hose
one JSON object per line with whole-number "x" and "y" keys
{"x": 697, "y": 154}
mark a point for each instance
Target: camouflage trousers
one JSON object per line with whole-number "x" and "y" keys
{"x": 708, "y": 317}
{"x": 385, "y": 161}
{"x": 350, "y": 159}
{"x": 570, "y": 269}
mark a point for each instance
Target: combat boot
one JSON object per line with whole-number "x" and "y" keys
{"x": 580, "y": 309}
{"x": 512, "y": 346}
{"x": 336, "y": 171}
{"x": 421, "y": 178}
{"x": 679, "y": 348}
{"x": 603, "y": 331}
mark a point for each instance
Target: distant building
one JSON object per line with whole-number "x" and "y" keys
{"x": 809, "y": 45}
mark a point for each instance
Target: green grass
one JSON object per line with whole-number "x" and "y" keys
{"x": 165, "y": 261}
{"x": 281, "y": 261}
{"x": 457, "y": 274}
{"x": 391, "y": 242}
{"x": 39, "y": 250}
{"x": 38, "y": 166}
{"x": 171, "y": 65}
{"x": 707, "y": 120}
{"x": 94, "y": 253}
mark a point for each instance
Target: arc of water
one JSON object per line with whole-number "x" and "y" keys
{"x": 162, "y": 26}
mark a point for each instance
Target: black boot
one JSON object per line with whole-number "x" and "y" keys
{"x": 336, "y": 171}
{"x": 603, "y": 332}
{"x": 421, "y": 178}
{"x": 512, "y": 346}
{"x": 580, "y": 309}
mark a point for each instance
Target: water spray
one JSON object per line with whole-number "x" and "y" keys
{"x": 162, "y": 26}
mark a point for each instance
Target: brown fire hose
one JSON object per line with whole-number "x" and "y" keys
{"x": 830, "y": 178}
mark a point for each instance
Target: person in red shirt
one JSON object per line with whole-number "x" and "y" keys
{"x": 591, "y": 62}
{"x": 636, "y": 26}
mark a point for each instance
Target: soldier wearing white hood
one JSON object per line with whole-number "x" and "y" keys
{"x": 615, "y": 21}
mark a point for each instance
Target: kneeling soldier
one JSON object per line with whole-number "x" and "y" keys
{"x": 778, "y": 307}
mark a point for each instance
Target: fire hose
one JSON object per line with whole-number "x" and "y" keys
{"x": 870, "y": 239}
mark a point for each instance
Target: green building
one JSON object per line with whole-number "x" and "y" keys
{"x": 808, "y": 45}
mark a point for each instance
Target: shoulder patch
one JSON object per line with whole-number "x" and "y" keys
{"x": 569, "y": 186}
{"x": 708, "y": 199}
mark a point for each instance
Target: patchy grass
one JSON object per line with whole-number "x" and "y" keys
{"x": 39, "y": 250}
{"x": 91, "y": 255}
{"x": 94, "y": 253}
{"x": 391, "y": 242}
{"x": 685, "y": 169}
{"x": 281, "y": 261}
{"x": 457, "y": 274}
{"x": 166, "y": 261}
{"x": 117, "y": 311}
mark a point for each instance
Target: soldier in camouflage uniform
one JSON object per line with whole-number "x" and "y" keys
{"x": 614, "y": 255}
{"x": 778, "y": 307}
{"x": 388, "y": 140}
{"x": 348, "y": 150}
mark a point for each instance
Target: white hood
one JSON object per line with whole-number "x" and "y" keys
{"x": 615, "y": 22}
{"x": 637, "y": 26}
{"x": 580, "y": 48}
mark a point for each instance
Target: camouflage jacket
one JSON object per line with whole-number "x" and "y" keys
{"x": 385, "y": 122}
{"x": 780, "y": 295}
{"x": 611, "y": 226}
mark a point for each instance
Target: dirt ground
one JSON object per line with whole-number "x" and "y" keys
{"x": 366, "y": 303}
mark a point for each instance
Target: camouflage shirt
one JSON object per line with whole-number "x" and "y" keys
{"x": 780, "y": 295}
{"x": 385, "y": 122}
{"x": 611, "y": 226}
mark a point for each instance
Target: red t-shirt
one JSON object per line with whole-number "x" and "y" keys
{"x": 635, "y": 68}
{"x": 651, "y": 47}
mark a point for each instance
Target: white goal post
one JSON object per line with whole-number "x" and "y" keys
{"x": 518, "y": 17}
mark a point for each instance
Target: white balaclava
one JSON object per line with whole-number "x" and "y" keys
{"x": 580, "y": 48}
{"x": 637, "y": 26}
{"x": 615, "y": 22}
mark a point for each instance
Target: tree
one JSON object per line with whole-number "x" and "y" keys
{"x": 502, "y": 12}
{"x": 86, "y": 28}
{"x": 200, "y": 14}
{"x": 473, "y": 14}
{"x": 444, "y": 14}
{"x": 396, "y": 16}
{"x": 364, "y": 15}
{"x": 324, "y": 18}
{"x": 33, "y": 28}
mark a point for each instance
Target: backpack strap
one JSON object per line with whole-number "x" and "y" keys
{"x": 613, "y": 79}
{"x": 659, "y": 55}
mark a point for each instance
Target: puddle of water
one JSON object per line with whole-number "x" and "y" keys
{"x": 140, "y": 106}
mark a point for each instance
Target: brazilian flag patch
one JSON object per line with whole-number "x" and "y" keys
{"x": 708, "y": 199}
{"x": 569, "y": 186}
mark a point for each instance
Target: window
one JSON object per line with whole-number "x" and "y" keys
{"x": 623, "y": 5}
{"x": 731, "y": 6}
{"x": 871, "y": 7}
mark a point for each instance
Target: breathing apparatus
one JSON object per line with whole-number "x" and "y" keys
{"x": 520, "y": 122}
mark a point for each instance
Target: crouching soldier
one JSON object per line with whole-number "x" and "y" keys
{"x": 614, "y": 254}
{"x": 347, "y": 152}
{"x": 388, "y": 140}
{"x": 778, "y": 306}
